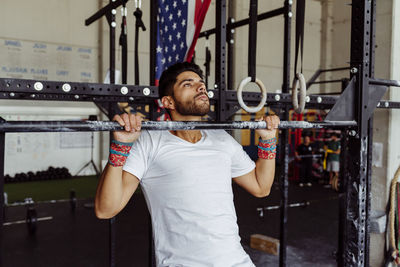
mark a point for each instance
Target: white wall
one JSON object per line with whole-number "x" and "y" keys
{"x": 47, "y": 40}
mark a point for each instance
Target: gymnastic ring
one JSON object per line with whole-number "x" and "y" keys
{"x": 299, "y": 107}
{"x": 240, "y": 97}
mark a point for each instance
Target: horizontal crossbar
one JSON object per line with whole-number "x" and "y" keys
{"x": 91, "y": 126}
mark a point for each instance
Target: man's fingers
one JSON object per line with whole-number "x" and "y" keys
{"x": 127, "y": 122}
{"x": 118, "y": 119}
{"x": 268, "y": 119}
{"x": 132, "y": 121}
{"x": 139, "y": 120}
{"x": 276, "y": 121}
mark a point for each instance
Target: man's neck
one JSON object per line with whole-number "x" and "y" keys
{"x": 192, "y": 136}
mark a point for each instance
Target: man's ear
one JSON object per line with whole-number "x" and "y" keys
{"x": 168, "y": 102}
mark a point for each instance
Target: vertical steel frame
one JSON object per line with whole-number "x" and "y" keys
{"x": 153, "y": 40}
{"x": 112, "y": 47}
{"x": 220, "y": 56}
{"x": 357, "y": 195}
{"x": 152, "y": 81}
{"x": 2, "y": 158}
{"x": 112, "y": 227}
{"x": 284, "y": 156}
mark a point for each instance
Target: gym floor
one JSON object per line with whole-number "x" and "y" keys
{"x": 80, "y": 239}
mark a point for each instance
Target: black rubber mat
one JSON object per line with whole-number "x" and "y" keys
{"x": 80, "y": 239}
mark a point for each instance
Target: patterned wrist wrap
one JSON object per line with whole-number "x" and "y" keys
{"x": 119, "y": 151}
{"x": 267, "y": 148}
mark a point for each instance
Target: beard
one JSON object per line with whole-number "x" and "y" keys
{"x": 192, "y": 107}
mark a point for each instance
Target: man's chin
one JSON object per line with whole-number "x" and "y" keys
{"x": 204, "y": 110}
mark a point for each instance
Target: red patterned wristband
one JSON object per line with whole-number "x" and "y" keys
{"x": 119, "y": 152}
{"x": 267, "y": 148}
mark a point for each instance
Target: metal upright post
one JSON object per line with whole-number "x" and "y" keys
{"x": 356, "y": 232}
{"x": 113, "y": 24}
{"x": 2, "y": 150}
{"x": 231, "y": 53}
{"x": 153, "y": 40}
{"x": 370, "y": 127}
{"x": 220, "y": 55}
{"x": 252, "y": 49}
{"x": 112, "y": 228}
{"x": 153, "y": 45}
{"x": 284, "y": 156}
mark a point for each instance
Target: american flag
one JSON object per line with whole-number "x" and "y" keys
{"x": 178, "y": 26}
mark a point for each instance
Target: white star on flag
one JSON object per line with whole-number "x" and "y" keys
{"x": 178, "y": 22}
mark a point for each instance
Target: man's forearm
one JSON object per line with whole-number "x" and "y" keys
{"x": 265, "y": 173}
{"x": 265, "y": 165}
{"x": 109, "y": 192}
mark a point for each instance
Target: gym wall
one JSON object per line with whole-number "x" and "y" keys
{"x": 47, "y": 40}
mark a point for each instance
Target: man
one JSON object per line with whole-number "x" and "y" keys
{"x": 186, "y": 176}
{"x": 332, "y": 162}
{"x": 303, "y": 155}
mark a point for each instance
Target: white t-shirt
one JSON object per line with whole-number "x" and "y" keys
{"x": 188, "y": 189}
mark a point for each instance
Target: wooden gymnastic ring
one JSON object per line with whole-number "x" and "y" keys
{"x": 240, "y": 97}
{"x": 299, "y": 102}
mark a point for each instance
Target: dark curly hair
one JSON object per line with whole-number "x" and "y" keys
{"x": 168, "y": 77}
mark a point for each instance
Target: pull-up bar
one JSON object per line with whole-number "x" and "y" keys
{"x": 89, "y": 126}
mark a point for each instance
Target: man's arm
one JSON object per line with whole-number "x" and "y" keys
{"x": 116, "y": 186}
{"x": 114, "y": 190}
{"x": 259, "y": 181}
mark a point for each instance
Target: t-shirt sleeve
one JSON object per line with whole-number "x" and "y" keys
{"x": 137, "y": 161}
{"x": 241, "y": 162}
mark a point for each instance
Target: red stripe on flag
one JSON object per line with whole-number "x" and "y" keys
{"x": 198, "y": 23}
{"x": 197, "y": 11}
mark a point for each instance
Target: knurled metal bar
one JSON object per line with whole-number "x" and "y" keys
{"x": 73, "y": 126}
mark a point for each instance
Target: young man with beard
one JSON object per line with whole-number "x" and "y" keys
{"x": 186, "y": 176}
